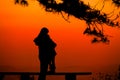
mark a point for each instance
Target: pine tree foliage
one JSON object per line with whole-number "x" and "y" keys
{"x": 95, "y": 19}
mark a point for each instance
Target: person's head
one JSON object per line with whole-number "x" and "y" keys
{"x": 44, "y": 30}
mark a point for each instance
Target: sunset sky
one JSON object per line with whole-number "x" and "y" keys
{"x": 19, "y": 25}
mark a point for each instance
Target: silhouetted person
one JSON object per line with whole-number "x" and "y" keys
{"x": 52, "y": 57}
{"x": 46, "y": 52}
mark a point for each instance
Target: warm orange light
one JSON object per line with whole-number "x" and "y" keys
{"x": 19, "y": 26}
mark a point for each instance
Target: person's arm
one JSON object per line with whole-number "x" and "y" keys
{"x": 36, "y": 41}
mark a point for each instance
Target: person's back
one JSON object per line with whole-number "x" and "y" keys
{"x": 42, "y": 41}
{"x": 46, "y": 51}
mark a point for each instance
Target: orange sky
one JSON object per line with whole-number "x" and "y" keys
{"x": 20, "y": 25}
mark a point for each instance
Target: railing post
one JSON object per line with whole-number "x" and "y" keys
{"x": 1, "y": 76}
{"x": 25, "y": 77}
{"x": 70, "y": 76}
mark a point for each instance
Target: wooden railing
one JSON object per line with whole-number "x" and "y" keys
{"x": 26, "y": 75}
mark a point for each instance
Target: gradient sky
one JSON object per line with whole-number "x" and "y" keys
{"x": 19, "y": 26}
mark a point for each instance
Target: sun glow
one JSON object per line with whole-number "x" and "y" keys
{"x": 19, "y": 25}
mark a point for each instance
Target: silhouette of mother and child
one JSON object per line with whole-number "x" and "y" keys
{"x": 47, "y": 53}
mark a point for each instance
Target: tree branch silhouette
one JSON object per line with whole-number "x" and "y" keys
{"x": 82, "y": 11}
